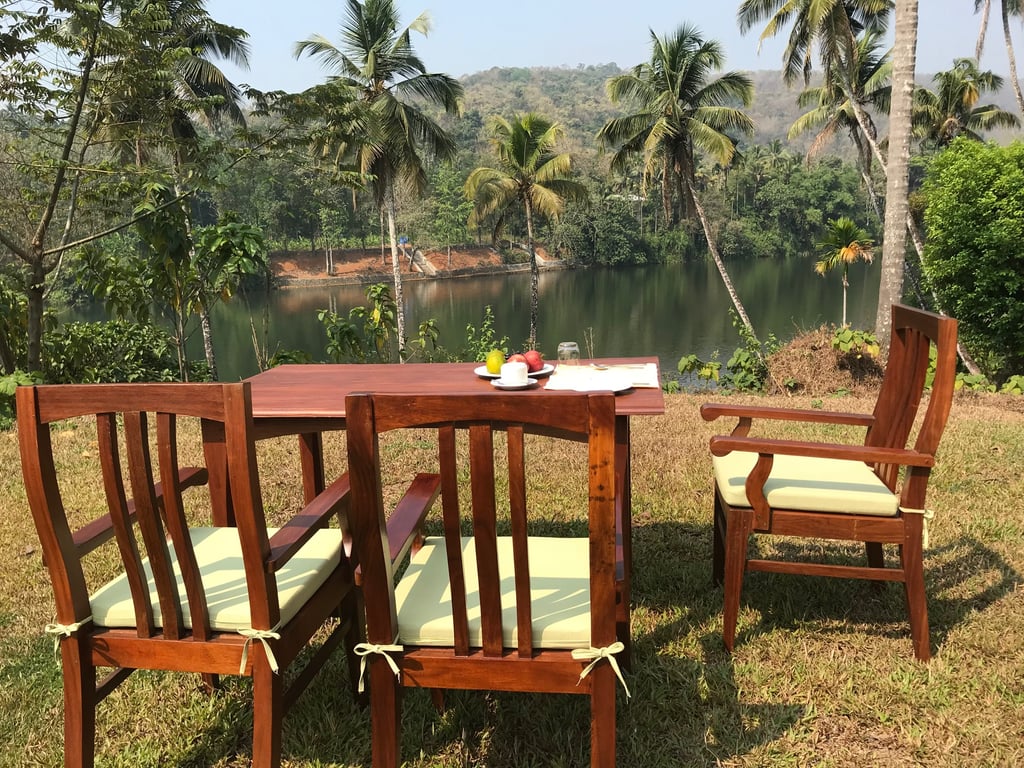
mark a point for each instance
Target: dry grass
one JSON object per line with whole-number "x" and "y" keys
{"x": 823, "y": 673}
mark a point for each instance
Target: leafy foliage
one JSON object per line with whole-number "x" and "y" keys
{"x": 480, "y": 341}
{"x": 115, "y": 351}
{"x": 8, "y": 384}
{"x": 973, "y": 258}
{"x": 745, "y": 371}
{"x": 857, "y": 343}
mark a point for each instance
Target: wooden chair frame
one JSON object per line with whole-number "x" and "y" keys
{"x": 151, "y": 525}
{"x": 492, "y": 666}
{"x": 885, "y": 449}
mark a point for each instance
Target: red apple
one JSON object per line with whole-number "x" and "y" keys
{"x": 517, "y": 358}
{"x": 534, "y": 360}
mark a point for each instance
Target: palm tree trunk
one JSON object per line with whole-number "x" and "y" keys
{"x": 718, "y": 261}
{"x": 396, "y": 273}
{"x": 207, "y": 326}
{"x": 982, "y": 30}
{"x": 897, "y": 168}
{"x": 1011, "y": 58}
{"x": 534, "y": 276}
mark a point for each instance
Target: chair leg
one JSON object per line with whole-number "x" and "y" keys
{"x": 602, "y": 717}
{"x": 385, "y": 713}
{"x": 267, "y": 713}
{"x": 912, "y": 559}
{"x": 351, "y": 610}
{"x": 737, "y": 532}
{"x": 875, "y": 554}
{"x": 718, "y": 542}
{"x": 79, "y": 704}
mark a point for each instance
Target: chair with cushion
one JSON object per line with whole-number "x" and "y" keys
{"x": 841, "y": 492}
{"x": 239, "y": 600}
{"x": 474, "y": 609}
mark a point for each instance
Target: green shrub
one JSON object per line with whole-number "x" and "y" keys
{"x": 109, "y": 351}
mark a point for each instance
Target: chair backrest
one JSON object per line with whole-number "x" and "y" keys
{"x": 915, "y": 333}
{"x": 141, "y": 507}
{"x": 588, "y": 418}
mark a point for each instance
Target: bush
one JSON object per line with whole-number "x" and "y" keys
{"x": 112, "y": 351}
{"x": 973, "y": 258}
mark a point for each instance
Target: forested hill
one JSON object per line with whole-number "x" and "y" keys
{"x": 576, "y": 97}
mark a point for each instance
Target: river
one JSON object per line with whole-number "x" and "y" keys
{"x": 663, "y": 310}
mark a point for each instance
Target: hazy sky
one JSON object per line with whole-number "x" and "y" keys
{"x": 471, "y": 36}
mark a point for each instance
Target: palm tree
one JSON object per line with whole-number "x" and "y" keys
{"x": 952, "y": 109}
{"x": 529, "y": 173}
{"x": 1007, "y": 8}
{"x": 843, "y": 244}
{"x": 831, "y": 110}
{"x": 897, "y": 205}
{"x": 377, "y": 60}
{"x": 680, "y": 110}
{"x": 833, "y": 26}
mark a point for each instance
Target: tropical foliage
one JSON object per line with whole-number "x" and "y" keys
{"x": 843, "y": 244}
{"x": 973, "y": 259}
{"x": 531, "y": 173}
{"x": 376, "y": 59}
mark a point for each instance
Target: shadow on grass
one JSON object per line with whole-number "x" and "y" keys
{"x": 961, "y": 578}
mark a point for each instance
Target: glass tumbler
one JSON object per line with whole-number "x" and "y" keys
{"x": 568, "y": 353}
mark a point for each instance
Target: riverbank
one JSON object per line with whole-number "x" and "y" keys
{"x": 304, "y": 269}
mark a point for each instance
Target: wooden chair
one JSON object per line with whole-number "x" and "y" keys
{"x": 215, "y": 601}
{"x": 843, "y": 492}
{"x": 475, "y": 610}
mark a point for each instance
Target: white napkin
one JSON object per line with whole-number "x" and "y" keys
{"x": 616, "y": 378}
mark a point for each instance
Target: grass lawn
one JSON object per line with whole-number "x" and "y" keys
{"x": 823, "y": 672}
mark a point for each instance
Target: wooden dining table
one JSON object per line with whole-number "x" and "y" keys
{"x": 309, "y": 400}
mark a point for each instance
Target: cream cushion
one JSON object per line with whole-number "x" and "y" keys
{"x": 559, "y": 585}
{"x": 219, "y": 555}
{"x": 807, "y": 483}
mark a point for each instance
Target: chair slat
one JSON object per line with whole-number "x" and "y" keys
{"x": 121, "y": 520}
{"x": 140, "y": 475}
{"x": 453, "y": 535}
{"x": 520, "y": 553}
{"x": 485, "y": 536}
{"x": 177, "y": 526}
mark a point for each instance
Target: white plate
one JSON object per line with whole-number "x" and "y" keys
{"x": 499, "y": 384}
{"x": 483, "y": 373}
{"x": 547, "y": 370}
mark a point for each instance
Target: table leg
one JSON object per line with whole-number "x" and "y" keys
{"x": 624, "y": 526}
{"x": 311, "y": 455}
{"x": 216, "y": 453}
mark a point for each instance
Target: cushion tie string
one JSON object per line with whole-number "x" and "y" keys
{"x": 362, "y": 650}
{"x": 63, "y": 630}
{"x": 262, "y": 635}
{"x": 926, "y": 515}
{"x": 596, "y": 654}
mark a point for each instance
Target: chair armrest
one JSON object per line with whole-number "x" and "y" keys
{"x": 311, "y": 518}
{"x": 746, "y": 413}
{"x": 406, "y": 521}
{"x": 723, "y": 444}
{"x": 101, "y": 530}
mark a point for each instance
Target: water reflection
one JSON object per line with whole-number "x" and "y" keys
{"x": 665, "y": 310}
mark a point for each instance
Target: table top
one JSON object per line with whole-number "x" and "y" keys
{"x": 318, "y": 391}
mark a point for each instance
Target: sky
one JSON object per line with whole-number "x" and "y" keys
{"x": 473, "y": 36}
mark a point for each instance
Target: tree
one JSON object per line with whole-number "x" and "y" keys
{"x": 843, "y": 244}
{"x": 529, "y": 173}
{"x": 973, "y": 261}
{"x": 897, "y": 206}
{"x": 680, "y": 110}
{"x": 1007, "y": 8}
{"x": 952, "y": 109}
{"x": 832, "y": 111}
{"x": 451, "y": 210}
{"x": 377, "y": 60}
